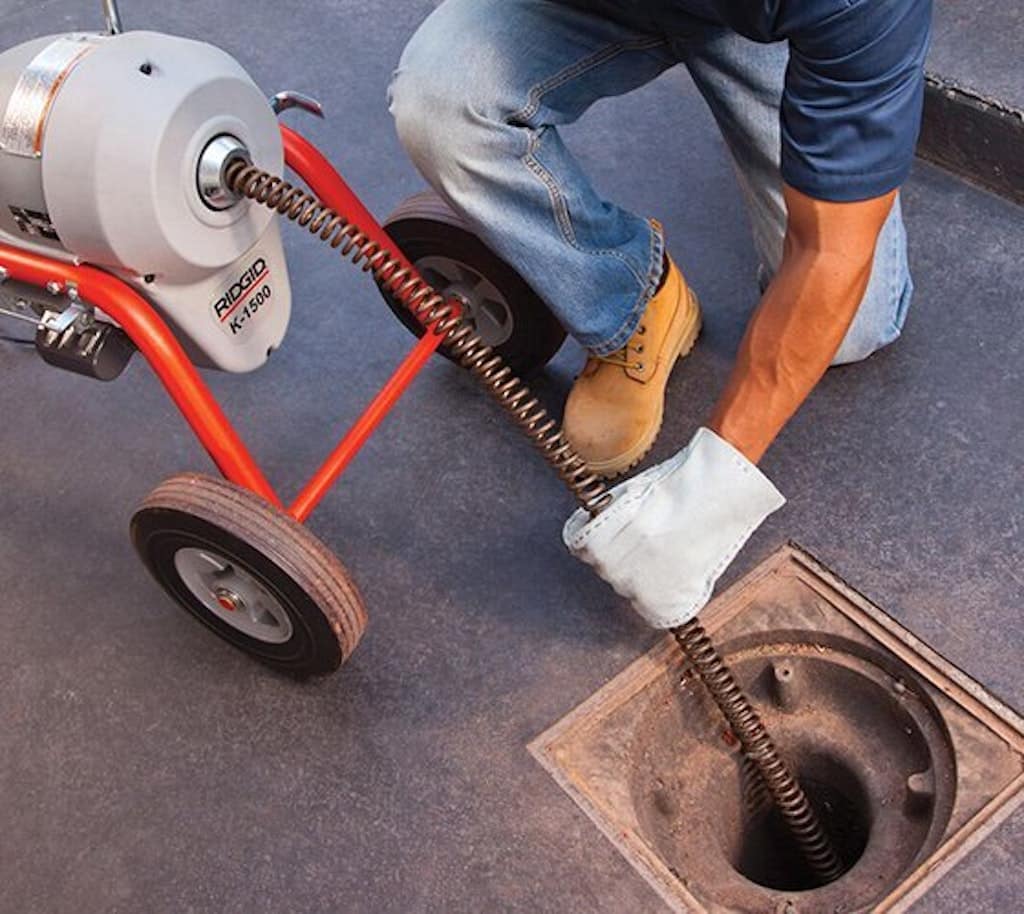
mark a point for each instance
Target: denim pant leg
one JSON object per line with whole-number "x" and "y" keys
{"x": 742, "y": 82}
{"x": 477, "y": 98}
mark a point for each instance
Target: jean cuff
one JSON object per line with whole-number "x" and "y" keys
{"x": 654, "y": 275}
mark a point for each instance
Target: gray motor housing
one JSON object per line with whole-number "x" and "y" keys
{"x": 100, "y": 142}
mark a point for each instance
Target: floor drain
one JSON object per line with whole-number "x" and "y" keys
{"x": 908, "y": 762}
{"x": 766, "y": 853}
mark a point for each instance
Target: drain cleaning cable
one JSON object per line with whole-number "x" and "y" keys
{"x": 441, "y": 317}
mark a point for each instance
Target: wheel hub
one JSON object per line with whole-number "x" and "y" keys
{"x": 484, "y": 308}
{"x": 234, "y": 595}
{"x": 229, "y": 601}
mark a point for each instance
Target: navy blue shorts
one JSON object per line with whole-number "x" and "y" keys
{"x": 851, "y": 111}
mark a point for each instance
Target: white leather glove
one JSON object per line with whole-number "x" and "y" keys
{"x": 672, "y": 530}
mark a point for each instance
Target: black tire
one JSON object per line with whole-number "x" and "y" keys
{"x": 268, "y": 551}
{"x": 424, "y": 227}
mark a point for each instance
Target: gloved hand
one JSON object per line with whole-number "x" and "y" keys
{"x": 672, "y": 530}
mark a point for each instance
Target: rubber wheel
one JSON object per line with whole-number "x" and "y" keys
{"x": 499, "y": 303}
{"x": 250, "y": 573}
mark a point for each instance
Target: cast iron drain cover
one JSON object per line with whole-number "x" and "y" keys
{"x": 909, "y": 762}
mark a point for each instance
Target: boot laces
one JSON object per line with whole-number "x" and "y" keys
{"x": 622, "y": 357}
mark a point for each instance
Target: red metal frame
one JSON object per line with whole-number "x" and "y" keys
{"x": 150, "y": 333}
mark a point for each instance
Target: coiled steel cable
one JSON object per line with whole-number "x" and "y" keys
{"x": 435, "y": 314}
{"x": 441, "y": 317}
{"x": 757, "y": 745}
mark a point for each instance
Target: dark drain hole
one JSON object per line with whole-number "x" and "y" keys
{"x": 767, "y": 853}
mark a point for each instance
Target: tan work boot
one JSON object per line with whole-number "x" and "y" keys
{"x": 615, "y": 408}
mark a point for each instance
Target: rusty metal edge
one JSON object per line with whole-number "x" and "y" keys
{"x": 1002, "y": 720}
{"x": 954, "y": 850}
{"x": 970, "y": 694}
{"x": 619, "y": 689}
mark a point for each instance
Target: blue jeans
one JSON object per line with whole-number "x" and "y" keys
{"x": 478, "y": 97}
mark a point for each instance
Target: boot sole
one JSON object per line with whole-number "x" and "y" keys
{"x": 612, "y": 469}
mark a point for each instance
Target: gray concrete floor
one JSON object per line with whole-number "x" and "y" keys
{"x": 145, "y": 766}
{"x": 978, "y": 45}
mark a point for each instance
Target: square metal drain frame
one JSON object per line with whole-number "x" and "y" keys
{"x": 613, "y": 754}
